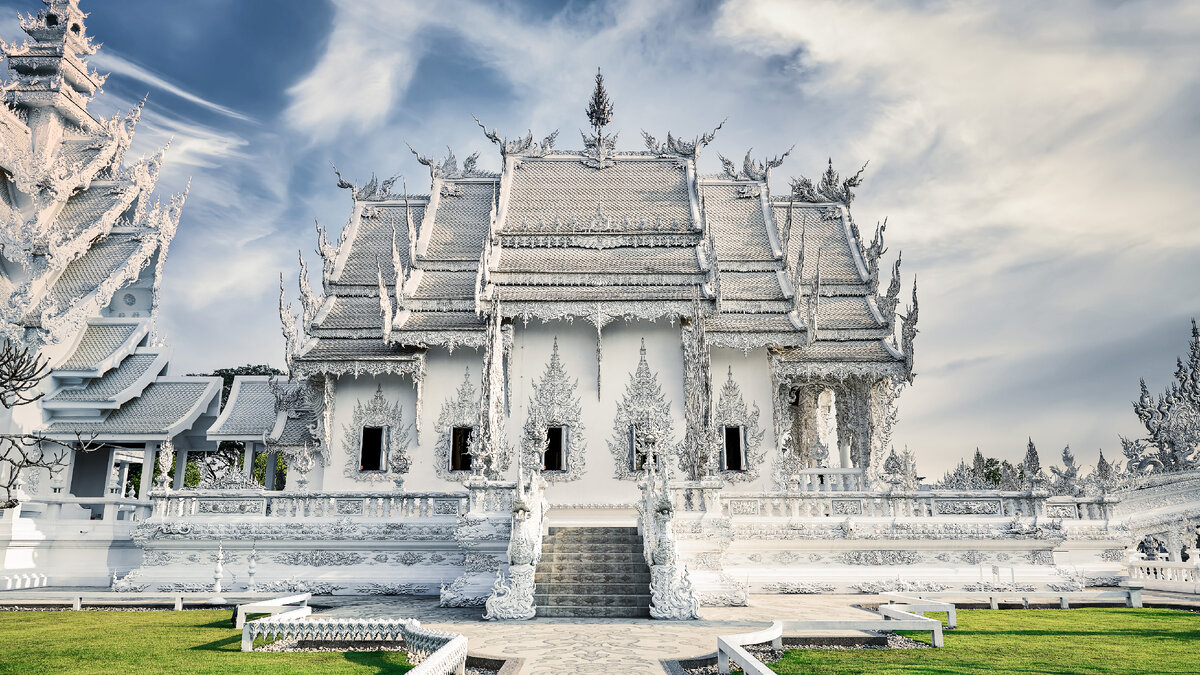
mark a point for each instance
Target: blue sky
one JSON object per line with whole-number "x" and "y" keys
{"x": 1035, "y": 160}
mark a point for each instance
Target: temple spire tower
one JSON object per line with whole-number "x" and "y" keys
{"x": 53, "y": 84}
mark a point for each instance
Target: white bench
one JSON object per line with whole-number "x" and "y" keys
{"x": 904, "y": 615}
{"x": 297, "y": 603}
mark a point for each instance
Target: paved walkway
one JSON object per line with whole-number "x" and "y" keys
{"x": 558, "y": 646}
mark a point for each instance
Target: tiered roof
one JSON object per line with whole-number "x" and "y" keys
{"x": 82, "y": 245}
{"x": 76, "y": 224}
{"x": 603, "y": 235}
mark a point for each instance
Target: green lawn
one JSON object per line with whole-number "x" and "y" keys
{"x": 1088, "y": 640}
{"x": 131, "y": 643}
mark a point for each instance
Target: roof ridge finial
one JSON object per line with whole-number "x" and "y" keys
{"x": 600, "y": 107}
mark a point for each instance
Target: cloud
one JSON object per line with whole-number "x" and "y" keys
{"x": 1036, "y": 161}
{"x": 106, "y": 60}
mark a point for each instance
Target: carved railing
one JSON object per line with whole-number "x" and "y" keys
{"x": 711, "y": 499}
{"x": 513, "y": 599}
{"x": 107, "y": 509}
{"x": 828, "y": 480}
{"x": 671, "y": 592}
{"x": 1161, "y": 575}
{"x": 271, "y": 504}
{"x": 435, "y": 652}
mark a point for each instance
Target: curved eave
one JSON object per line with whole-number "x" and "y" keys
{"x": 204, "y": 402}
{"x": 132, "y": 391}
{"x": 214, "y": 432}
{"x": 114, "y": 358}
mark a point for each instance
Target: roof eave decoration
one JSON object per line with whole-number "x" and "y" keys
{"x": 752, "y": 170}
{"x": 523, "y": 146}
{"x": 677, "y": 147}
{"x": 908, "y": 335}
{"x": 373, "y": 191}
{"x": 831, "y": 188}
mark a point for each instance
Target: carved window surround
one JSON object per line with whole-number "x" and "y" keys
{"x": 554, "y": 403}
{"x": 459, "y": 410}
{"x": 731, "y": 412}
{"x": 645, "y": 407}
{"x": 378, "y": 412}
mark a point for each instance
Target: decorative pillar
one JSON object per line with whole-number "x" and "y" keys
{"x": 113, "y": 473}
{"x": 181, "y": 455}
{"x": 272, "y": 470}
{"x": 147, "y": 472}
{"x": 248, "y": 461}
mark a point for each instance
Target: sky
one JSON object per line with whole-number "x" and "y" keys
{"x": 1035, "y": 161}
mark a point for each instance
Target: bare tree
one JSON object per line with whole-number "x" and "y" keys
{"x": 21, "y": 371}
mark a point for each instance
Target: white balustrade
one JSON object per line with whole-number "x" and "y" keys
{"x": 107, "y": 509}
{"x": 692, "y": 497}
{"x": 435, "y": 652}
{"x": 1162, "y": 575}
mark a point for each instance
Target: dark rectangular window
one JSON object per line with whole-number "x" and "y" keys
{"x": 370, "y": 455}
{"x": 637, "y": 453}
{"x": 735, "y": 459}
{"x": 556, "y": 438}
{"x": 460, "y": 449}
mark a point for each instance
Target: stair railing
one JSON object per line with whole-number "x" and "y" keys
{"x": 513, "y": 598}
{"x": 671, "y": 592}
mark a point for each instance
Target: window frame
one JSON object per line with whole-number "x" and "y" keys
{"x": 384, "y": 431}
{"x": 467, "y": 453}
{"x": 741, "y": 437}
{"x": 564, "y": 444}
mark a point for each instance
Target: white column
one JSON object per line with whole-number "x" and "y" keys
{"x": 248, "y": 460}
{"x": 272, "y": 469}
{"x": 147, "y": 471}
{"x": 110, "y": 476}
{"x": 180, "y": 467}
{"x": 123, "y": 478}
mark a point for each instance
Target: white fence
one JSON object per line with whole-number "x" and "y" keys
{"x": 1160, "y": 575}
{"x": 903, "y": 615}
{"x": 826, "y": 493}
{"x": 435, "y": 652}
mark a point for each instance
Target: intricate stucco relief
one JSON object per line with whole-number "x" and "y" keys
{"x": 378, "y": 412}
{"x": 645, "y": 408}
{"x": 554, "y": 403}
{"x": 460, "y": 410}
{"x": 732, "y": 411}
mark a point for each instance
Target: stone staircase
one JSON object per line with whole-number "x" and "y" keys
{"x": 592, "y": 572}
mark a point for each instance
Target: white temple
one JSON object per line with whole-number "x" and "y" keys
{"x": 598, "y": 351}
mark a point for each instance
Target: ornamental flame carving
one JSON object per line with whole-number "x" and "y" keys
{"x": 732, "y": 411}
{"x": 460, "y": 410}
{"x": 554, "y": 403}
{"x": 645, "y": 414}
{"x": 378, "y": 412}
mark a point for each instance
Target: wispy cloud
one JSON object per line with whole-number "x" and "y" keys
{"x": 1036, "y": 161}
{"x": 106, "y": 60}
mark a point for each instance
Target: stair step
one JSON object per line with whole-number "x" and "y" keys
{"x": 595, "y": 612}
{"x": 567, "y": 588}
{"x": 580, "y": 567}
{"x": 552, "y": 546}
{"x": 593, "y": 557}
{"x": 565, "y": 600}
{"x": 542, "y": 576}
{"x": 603, "y": 530}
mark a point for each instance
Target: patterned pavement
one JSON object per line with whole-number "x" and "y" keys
{"x": 559, "y": 646}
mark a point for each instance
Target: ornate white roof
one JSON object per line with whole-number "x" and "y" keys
{"x": 600, "y": 235}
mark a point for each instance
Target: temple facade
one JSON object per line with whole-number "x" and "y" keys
{"x": 597, "y": 368}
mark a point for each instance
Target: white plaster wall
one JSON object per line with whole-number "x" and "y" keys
{"x": 619, "y": 358}
{"x": 532, "y": 344}
{"x": 443, "y": 375}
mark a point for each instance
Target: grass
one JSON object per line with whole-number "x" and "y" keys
{"x": 1085, "y": 640}
{"x": 128, "y": 643}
